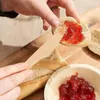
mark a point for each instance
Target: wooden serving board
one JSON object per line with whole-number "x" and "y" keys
{"x": 71, "y": 54}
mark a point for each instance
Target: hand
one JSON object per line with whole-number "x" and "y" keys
{"x": 10, "y": 77}
{"x": 42, "y": 9}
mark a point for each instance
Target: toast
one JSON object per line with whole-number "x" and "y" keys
{"x": 85, "y": 31}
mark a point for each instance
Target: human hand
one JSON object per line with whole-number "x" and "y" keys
{"x": 42, "y": 9}
{"x": 10, "y": 77}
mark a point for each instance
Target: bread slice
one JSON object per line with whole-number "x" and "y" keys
{"x": 85, "y": 31}
{"x": 42, "y": 71}
{"x": 95, "y": 42}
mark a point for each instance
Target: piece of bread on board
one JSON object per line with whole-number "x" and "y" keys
{"x": 42, "y": 71}
{"x": 95, "y": 42}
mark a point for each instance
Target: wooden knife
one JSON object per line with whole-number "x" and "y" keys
{"x": 47, "y": 48}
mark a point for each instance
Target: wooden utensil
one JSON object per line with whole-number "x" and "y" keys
{"x": 47, "y": 48}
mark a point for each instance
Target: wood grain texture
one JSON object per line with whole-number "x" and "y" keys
{"x": 71, "y": 54}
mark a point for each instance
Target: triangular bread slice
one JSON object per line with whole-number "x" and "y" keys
{"x": 42, "y": 71}
{"x": 85, "y": 31}
{"x": 95, "y": 42}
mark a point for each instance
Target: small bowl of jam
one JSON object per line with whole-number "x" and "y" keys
{"x": 74, "y": 82}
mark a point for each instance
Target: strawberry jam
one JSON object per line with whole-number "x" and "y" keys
{"x": 73, "y": 34}
{"x": 76, "y": 88}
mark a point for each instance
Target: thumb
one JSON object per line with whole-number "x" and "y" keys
{"x": 43, "y": 10}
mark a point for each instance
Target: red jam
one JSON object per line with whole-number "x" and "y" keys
{"x": 73, "y": 34}
{"x": 76, "y": 88}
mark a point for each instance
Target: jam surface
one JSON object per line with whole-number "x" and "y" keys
{"x": 73, "y": 34}
{"x": 76, "y": 88}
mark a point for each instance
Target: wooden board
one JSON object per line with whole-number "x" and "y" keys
{"x": 71, "y": 54}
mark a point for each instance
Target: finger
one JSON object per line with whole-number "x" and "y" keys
{"x": 12, "y": 81}
{"x": 8, "y": 70}
{"x": 12, "y": 95}
{"x": 52, "y": 3}
{"x": 70, "y": 8}
{"x": 56, "y": 11}
{"x": 44, "y": 11}
{"x": 45, "y": 25}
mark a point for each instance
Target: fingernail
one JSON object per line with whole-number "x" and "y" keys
{"x": 18, "y": 90}
{"x": 29, "y": 73}
{"x": 56, "y": 23}
{"x": 45, "y": 27}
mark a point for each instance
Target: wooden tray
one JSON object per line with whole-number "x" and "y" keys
{"x": 71, "y": 54}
